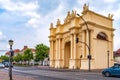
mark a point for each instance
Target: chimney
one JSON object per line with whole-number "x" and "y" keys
{"x": 25, "y": 47}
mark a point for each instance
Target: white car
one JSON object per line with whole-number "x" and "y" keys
{"x": 2, "y": 65}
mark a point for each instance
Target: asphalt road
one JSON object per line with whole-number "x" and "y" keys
{"x": 39, "y": 74}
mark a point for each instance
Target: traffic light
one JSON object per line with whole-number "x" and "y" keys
{"x": 77, "y": 40}
{"x": 89, "y": 57}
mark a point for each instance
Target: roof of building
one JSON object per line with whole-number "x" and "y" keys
{"x": 117, "y": 53}
{"x": 26, "y": 47}
{"x": 16, "y": 51}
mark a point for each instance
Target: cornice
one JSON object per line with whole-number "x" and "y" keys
{"x": 97, "y": 25}
{"x": 74, "y": 27}
{"x": 51, "y": 36}
{"x": 59, "y": 33}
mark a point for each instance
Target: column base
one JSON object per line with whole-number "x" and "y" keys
{"x": 59, "y": 63}
{"x": 74, "y": 64}
{"x": 52, "y": 63}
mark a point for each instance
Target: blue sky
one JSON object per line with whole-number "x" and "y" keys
{"x": 27, "y": 21}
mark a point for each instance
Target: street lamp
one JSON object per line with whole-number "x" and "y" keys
{"x": 108, "y": 57}
{"x": 89, "y": 56}
{"x": 10, "y": 59}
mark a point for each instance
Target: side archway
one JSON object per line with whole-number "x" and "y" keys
{"x": 102, "y": 36}
{"x": 67, "y": 52}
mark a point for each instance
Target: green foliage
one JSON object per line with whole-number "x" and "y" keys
{"x": 5, "y": 58}
{"x": 28, "y": 55}
{"x": 41, "y": 52}
{"x": 18, "y": 57}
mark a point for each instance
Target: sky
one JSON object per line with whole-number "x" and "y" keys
{"x": 27, "y": 22}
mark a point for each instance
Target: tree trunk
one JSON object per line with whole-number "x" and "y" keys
{"x": 42, "y": 62}
{"x": 28, "y": 62}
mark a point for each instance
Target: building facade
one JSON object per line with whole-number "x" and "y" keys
{"x": 93, "y": 30}
{"x": 117, "y": 56}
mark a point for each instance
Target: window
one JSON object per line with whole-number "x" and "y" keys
{"x": 102, "y": 36}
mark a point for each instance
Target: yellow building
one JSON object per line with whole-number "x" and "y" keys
{"x": 94, "y": 31}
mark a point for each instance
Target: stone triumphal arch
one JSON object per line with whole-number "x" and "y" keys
{"x": 66, "y": 53}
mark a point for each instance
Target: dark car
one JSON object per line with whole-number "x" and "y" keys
{"x": 112, "y": 71}
{"x": 7, "y": 64}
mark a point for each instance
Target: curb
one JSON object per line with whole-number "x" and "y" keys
{"x": 67, "y": 70}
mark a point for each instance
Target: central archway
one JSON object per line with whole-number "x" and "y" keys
{"x": 67, "y": 54}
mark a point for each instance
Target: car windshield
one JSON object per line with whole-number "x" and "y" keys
{"x": 116, "y": 66}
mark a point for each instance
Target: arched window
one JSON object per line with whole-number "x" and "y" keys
{"x": 102, "y": 36}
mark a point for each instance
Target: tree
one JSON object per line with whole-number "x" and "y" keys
{"x": 41, "y": 52}
{"x": 5, "y": 58}
{"x": 28, "y": 55}
{"x": 17, "y": 58}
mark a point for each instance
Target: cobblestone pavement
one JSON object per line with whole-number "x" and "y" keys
{"x": 5, "y": 76}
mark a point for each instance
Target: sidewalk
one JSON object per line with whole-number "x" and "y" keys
{"x": 5, "y": 76}
{"x": 67, "y": 70}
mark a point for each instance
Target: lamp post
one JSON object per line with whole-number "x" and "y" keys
{"x": 89, "y": 55}
{"x": 108, "y": 57}
{"x": 10, "y": 59}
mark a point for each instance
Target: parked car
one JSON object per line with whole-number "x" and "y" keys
{"x": 112, "y": 71}
{"x": 2, "y": 65}
{"x": 7, "y": 64}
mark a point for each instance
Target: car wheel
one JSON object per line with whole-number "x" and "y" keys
{"x": 107, "y": 74}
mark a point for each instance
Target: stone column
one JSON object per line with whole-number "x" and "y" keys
{"x": 71, "y": 54}
{"x": 51, "y": 54}
{"x": 74, "y": 46}
{"x": 52, "y": 50}
{"x": 56, "y": 56}
{"x": 59, "y": 53}
{"x": 84, "y": 48}
{"x": 59, "y": 50}
{"x": 87, "y": 42}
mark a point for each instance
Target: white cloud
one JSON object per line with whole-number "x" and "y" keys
{"x": 32, "y": 14}
{"x": 2, "y": 42}
{"x": 110, "y": 1}
{"x": 117, "y": 40}
{"x": 59, "y": 13}
{"x": 2, "y": 36}
{"x": 33, "y": 22}
{"x": 24, "y": 9}
{"x": 117, "y": 13}
{"x": 112, "y": 10}
{"x": 0, "y": 33}
{"x": 18, "y": 6}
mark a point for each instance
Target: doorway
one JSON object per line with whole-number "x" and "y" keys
{"x": 67, "y": 54}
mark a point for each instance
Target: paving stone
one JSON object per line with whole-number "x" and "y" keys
{"x": 5, "y": 76}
